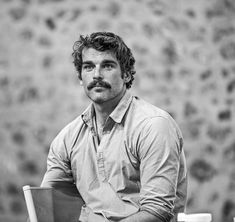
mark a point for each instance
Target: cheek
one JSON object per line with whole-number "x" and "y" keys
{"x": 85, "y": 83}
{"x": 119, "y": 82}
{"x": 86, "y": 79}
{"x": 116, "y": 78}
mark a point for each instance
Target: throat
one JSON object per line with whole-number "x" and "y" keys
{"x": 98, "y": 129}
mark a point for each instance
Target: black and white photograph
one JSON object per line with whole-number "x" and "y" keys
{"x": 117, "y": 111}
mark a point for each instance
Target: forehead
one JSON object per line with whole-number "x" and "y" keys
{"x": 90, "y": 54}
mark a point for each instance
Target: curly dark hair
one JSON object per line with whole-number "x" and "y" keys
{"x": 105, "y": 41}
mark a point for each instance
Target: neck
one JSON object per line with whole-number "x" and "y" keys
{"x": 103, "y": 110}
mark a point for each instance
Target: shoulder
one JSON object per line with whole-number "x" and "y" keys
{"x": 146, "y": 114}
{"x": 69, "y": 132}
{"x": 147, "y": 119}
{"x": 147, "y": 109}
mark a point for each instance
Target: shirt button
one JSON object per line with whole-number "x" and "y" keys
{"x": 100, "y": 155}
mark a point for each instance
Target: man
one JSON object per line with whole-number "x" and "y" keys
{"x": 122, "y": 155}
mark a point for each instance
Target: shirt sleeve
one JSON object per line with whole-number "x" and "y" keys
{"x": 59, "y": 172}
{"x": 159, "y": 151}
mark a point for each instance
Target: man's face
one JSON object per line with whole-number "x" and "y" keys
{"x": 101, "y": 76}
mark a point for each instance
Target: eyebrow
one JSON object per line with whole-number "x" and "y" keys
{"x": 87, "y": 62}
{"x": 109, "y": 61}
{"x": 103, "y": 62}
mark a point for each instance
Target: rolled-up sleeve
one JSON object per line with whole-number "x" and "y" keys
{"x": 159, "y": 151}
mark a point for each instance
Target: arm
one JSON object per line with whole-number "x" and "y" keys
{"x": 158, "y": 149}
{"x": 59, "y": 173}
{"x": 142, "y": 216}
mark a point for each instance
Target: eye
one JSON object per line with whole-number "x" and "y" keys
{"x": 108, "y": 66}
{"x": 87, "y": 67}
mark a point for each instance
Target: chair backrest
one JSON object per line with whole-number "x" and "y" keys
{"x": 50, "y": 205}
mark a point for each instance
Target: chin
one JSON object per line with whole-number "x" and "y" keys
{"x": 98, "y": 99}
{"x": 103, "y": 97}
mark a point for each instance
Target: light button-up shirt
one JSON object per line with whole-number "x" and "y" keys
{"x": 139, "y": 163}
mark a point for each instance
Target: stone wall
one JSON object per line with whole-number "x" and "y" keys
{"x": 185, "y": 52}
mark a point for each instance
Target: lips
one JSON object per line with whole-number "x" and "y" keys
{"x": 99, "y": 85}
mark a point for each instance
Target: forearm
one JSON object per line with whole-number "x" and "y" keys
{"x": 142, "y": 216}
{"x": 64, "y": 187}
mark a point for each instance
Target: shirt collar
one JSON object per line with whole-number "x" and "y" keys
{"x": 120, "y": 110}
{"x": 117, "y": 114}
{"x": 87, "y": 115}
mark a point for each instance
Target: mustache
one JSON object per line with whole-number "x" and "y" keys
{"x": 98, "y": 83}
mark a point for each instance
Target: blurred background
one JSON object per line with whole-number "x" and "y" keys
{"x": 185, "y": 53}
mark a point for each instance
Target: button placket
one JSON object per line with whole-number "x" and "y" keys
{"x": 100, "y": 164}
{"x": 100, "y": 152}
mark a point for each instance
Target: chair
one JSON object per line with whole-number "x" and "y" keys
{"x": 45, "y": 204}
{"x": 196, "y": 217}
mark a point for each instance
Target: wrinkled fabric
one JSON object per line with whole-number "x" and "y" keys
{"x": 139, "y": 163}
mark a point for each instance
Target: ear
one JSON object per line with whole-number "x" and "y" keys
{"x": 127, "y": 77}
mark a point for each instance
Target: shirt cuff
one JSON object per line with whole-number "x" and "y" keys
{"x": 163, "y": 215}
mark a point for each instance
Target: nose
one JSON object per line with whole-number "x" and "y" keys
{"x": 97, "y": 73}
